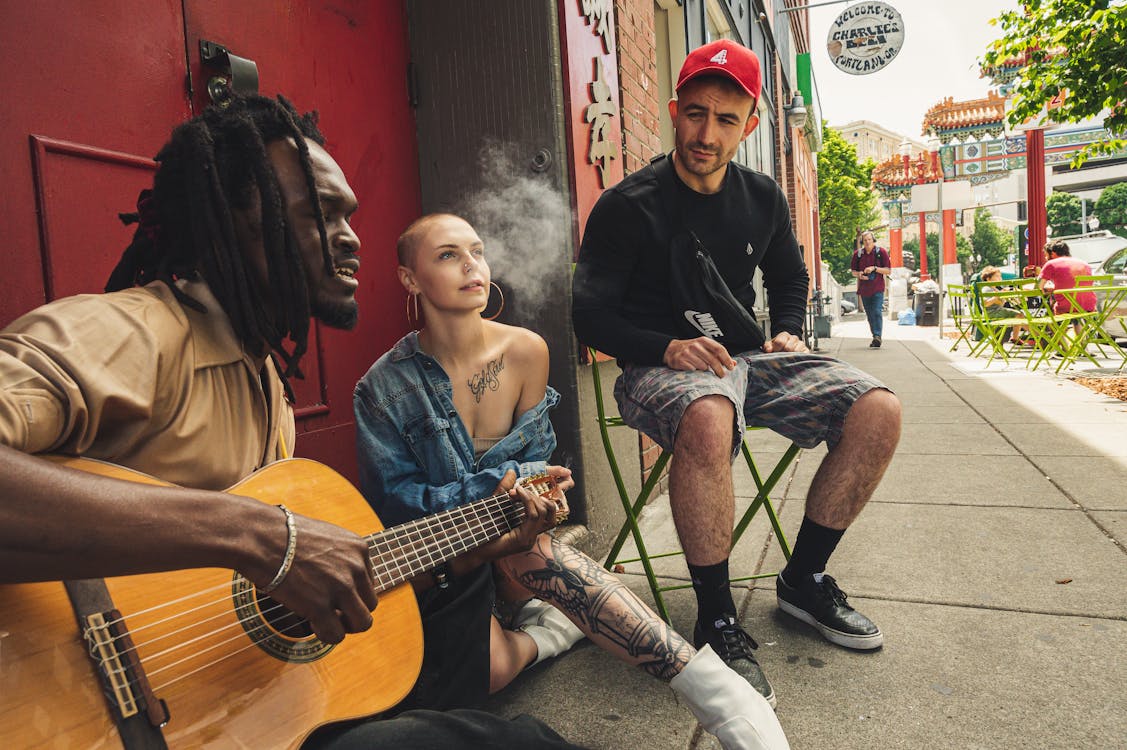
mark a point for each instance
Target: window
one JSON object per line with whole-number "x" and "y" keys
{"x": 1116, "y": 263}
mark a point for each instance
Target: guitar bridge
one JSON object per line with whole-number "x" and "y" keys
{"x": 113, "y": 651}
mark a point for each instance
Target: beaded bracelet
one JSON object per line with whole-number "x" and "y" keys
{"x": 291, "y": 549}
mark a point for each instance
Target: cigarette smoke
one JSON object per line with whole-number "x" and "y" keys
{"x": 524, "y": 224}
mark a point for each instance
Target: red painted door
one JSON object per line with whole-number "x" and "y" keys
{"x": 89, "y": 97}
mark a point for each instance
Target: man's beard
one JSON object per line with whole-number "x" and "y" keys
{"x": 341, "y": 315}
{"x": 720, "y": 160}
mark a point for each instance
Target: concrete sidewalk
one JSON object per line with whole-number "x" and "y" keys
{"x": 992, "y": 556}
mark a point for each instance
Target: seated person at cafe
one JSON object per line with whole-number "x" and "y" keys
{"x": 995, "y": 308}
{"x": 1060, "y": 272}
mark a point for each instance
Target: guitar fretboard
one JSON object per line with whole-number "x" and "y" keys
{"x": 402, "y": 552}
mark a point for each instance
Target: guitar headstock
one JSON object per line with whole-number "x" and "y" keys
{"x": 539, "y": 484}
{"x": 544, "y": 485}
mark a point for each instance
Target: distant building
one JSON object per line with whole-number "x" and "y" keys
{"x": 874, "y": 141}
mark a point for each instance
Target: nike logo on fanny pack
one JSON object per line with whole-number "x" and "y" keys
{"x": 704, "y": 322}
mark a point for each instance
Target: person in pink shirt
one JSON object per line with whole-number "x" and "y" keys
{"x": 1060, "y": 272}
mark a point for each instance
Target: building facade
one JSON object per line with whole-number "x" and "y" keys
{"x": 874, "y": 141}
{"x": 514, "y": 113}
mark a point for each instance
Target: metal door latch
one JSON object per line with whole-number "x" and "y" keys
{"x": 233, "y": 74}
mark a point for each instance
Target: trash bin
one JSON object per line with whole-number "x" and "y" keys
{"x": 822, "y": 326}
{"x": 927, "y": 308}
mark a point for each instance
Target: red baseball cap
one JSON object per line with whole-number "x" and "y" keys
{"x": 727, "y": 58}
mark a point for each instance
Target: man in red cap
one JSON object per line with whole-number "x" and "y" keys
{"x": 695, "y": 374}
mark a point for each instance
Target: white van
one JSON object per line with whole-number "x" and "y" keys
{"x": 1093, "y": 247}
{"x": 1116, "y": 265}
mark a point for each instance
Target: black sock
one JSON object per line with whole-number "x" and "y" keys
{"x": 812, "y": 550}
{"x": 714, "y": 592}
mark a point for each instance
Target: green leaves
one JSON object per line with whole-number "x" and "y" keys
{"x": 989, "y": 241}
{"x": 1112, "y": 208}
{"x": 1063, "y": 212}
{"x": 845, "y": 200}
{"x": 1071, "y": 46}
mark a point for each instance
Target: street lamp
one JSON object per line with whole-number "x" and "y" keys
{"x": 1087, "y": 224}
{"x": 796, "y": 111}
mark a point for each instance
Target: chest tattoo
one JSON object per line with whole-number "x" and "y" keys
{"x": 489, "y": 377}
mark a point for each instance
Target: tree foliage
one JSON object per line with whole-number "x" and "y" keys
{"x": 1063, "y": 212}
{"x": 989, "y": 241}
{"x": 846, "y": 202}
{"x": 1112, "y": 208}
{"x": 963, "y": 251}
{"x": 1070, "y": 47}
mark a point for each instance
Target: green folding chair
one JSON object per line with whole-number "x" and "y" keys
{"x": 997, "y": 332}
{"x": 961, "y": 314}
{"x": 632, "y": 507}
{"x": 1053, "y": 332}
{"x": 1090, "y": 327}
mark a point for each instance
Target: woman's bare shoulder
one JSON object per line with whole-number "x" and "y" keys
{"x": 519, "y": 343}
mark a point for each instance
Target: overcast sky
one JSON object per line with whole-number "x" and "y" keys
{"x": 943, "y": 40}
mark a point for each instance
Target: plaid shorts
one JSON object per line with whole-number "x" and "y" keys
{"x": 801, "y": 396}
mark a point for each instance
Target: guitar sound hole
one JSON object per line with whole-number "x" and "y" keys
{"x": 273, "y": 628}
{"x": 282, "y": 620}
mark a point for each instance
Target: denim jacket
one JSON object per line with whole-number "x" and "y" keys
{"x": 416, "y": 456}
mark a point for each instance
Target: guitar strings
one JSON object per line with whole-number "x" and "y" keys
{"x": 494, "y": 527}
{"x": 402, "y": 536}
{"x": 482, "y": 514}
{"x": 490, "y": 525}
{"x": 394, "y": 532}
{"x": 407, "y": 535}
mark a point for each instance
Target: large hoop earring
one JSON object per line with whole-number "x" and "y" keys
{"x": 497, "y": 314}
{"x": 412, "y": 308}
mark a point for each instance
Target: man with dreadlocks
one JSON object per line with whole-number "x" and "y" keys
{"x": 243, "y": 238}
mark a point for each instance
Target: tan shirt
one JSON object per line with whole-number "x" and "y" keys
{"x": 137, "y": 379}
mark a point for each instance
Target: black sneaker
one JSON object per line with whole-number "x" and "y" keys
{"x": 824, "y": 606}
{"x": 875, "y": 343}
{"x": 734, "y": 646}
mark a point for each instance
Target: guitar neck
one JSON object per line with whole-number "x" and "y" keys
{"x": 402, "y": 552}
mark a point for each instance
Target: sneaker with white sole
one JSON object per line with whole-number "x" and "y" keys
{"x": 552, "y": 631}
{"x": 734, "y": 646}
{"x": 826, "y": 607}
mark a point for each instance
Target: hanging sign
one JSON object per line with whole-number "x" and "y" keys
{"x": 865, "y": 38}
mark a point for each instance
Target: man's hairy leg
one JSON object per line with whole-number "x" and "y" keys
{"x": 607, "y": 612}
{"x": 700, "y": 481}
{"x": 853, "y": 468}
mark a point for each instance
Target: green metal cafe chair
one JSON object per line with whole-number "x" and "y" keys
{"x": 633, "y": 506}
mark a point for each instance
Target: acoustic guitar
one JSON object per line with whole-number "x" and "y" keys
{"x": 202, "y": 653}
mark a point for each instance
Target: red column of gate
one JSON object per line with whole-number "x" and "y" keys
{"x": 949, "y": 250}
{"x": 1035, "y": 194}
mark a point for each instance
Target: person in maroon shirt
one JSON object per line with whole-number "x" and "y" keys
{"x": 870, "y": 264}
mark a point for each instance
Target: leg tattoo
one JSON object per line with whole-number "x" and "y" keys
{"x": 603, "y": 607}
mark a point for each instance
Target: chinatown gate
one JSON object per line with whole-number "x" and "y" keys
{"x": 970, "y": 144}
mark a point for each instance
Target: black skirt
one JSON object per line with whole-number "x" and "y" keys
{"x": 455, "y": 672}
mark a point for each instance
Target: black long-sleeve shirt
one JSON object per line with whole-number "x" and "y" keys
{"x": 621, "y": 300}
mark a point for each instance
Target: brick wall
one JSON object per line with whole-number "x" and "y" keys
{"x": 637, "y": 77}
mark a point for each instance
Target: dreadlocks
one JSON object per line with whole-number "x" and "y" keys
{"x": 186, "y": 228}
